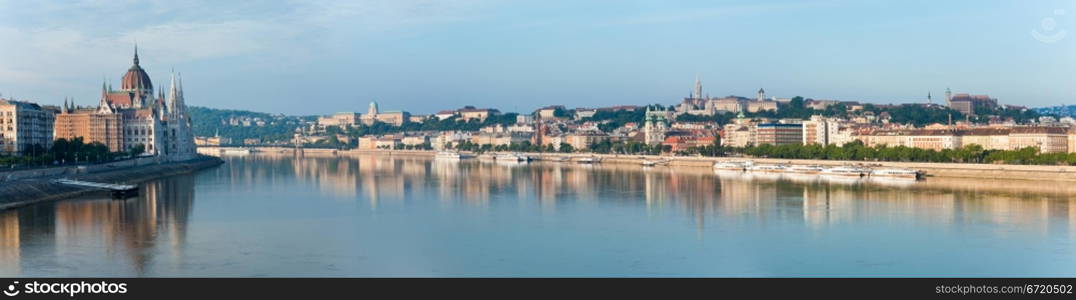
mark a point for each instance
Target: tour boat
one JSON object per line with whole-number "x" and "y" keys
{"x": 897, "y": 173}
{"x": 448, "y": 155}
{"x": 511, "y": 157}
{"x": 805, "y": 169}
{"x": 768, "y": 168}
{"x": 738, "y": 166}
{"x": 236, "y": 151}
{"x": 846, "y": 171}
{"x": 649, "y": 163}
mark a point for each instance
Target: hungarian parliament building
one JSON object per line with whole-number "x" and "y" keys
{"x": 133, "y": 116}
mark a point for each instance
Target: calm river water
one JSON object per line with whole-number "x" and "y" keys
{"x": 261, "y": 215}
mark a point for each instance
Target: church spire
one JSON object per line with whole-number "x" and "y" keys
{"x": 173, "y": 92}
{"x": 136, "y": 55}
{"x": 698, "y": 87}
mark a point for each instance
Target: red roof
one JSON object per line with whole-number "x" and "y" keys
{"x": 119, "y": 99}
{"x": 136, "y": 79}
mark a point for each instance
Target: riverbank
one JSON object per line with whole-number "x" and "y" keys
{"x": 957, "y": 170}
{"x": 35, "y": 187}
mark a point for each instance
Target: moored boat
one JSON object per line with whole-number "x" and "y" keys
{"x": 511, "y": 157}
{"x": 236, "y": 151}
{"x": 805, "y": 169}
{"x": 896, "y": 173}
{"x": 767, "y": 168}
{"x": 731, "y": 166}
{"x": 850, "y": 171}
{"x": 448, "y": 155}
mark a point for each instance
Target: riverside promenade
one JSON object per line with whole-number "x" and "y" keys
{"x": 24, "y": 187}
{"x": 960, "y": 170}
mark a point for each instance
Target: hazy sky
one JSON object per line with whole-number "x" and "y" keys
{"x": 319, "y": 57}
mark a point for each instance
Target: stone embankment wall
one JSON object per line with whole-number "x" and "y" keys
{"x": 992, "y": 171}
{"x": 32, "y": 186}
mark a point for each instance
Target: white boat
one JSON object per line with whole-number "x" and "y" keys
{"x": 511, "y": 157}
{"x": 589, "y": 160}
{"x": 731, "y": 166}
{"x": 649, "y": 163}
{"x": 805, "y": 169}
{"x": 236, "y": 151}
{"x": 768, "y": 168}
{"x": 896, "y": 173}
{"x": 850, "y": 171}
{"x": 448, "y": 155}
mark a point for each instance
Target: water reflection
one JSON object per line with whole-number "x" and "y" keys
{"x": 282, "y": 215}
{"x": 97, "y": 229}
{"x": 699, "y": 192}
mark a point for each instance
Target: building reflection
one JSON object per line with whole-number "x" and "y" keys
{"x": 815, "y": 201}
{"x": 140, "y": 230}
{"x": 157, "y": 218}
{"x": 10, "y": 245}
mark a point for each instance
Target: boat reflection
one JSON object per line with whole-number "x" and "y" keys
{"x": 700, "y": 191}
{"x": 153, "y": 227}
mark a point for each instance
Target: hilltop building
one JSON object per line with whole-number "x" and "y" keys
{"x": 967, "y": 104}
{"x": 395, "y": 118}
{"x": 697, "y": 104}
{"x": 341, "y": 119}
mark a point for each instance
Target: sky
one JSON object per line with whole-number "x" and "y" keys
{"x": 319, "y": 57}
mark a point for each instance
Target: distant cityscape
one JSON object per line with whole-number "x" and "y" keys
{"x": 696, "y": 122}
{"x": 134, "y": 121}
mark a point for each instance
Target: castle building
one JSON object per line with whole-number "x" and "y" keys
{"x": 968, "y": 104}
{"x": 133, "y": 117}
{"x": 374, "y": 115}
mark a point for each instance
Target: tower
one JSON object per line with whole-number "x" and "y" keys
{"x": 929, "y": 101}
{"x": 137, "y": 85}
{"x": 761, "y": 94}
{"x": 698, "y": 88}
{"x": 948, "y": 97}
{"x": 655, "y": 127}
{"x": 372, "y": 111}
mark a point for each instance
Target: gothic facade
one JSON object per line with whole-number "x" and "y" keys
{"x": 158, "y": 123}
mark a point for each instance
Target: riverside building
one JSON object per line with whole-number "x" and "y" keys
{"x": 24, "y": 125}
{"x": 134, "y": 116}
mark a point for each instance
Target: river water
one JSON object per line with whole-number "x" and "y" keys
{"x": 265, "y": 215}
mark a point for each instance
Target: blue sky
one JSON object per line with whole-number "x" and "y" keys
{"x": 319, "y": 57}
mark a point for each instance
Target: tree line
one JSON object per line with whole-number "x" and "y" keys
{"x": 857, "y": 151}
{"x": 64, "y": 151}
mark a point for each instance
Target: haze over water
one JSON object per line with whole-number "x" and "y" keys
{"x": 264, "y": 215}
